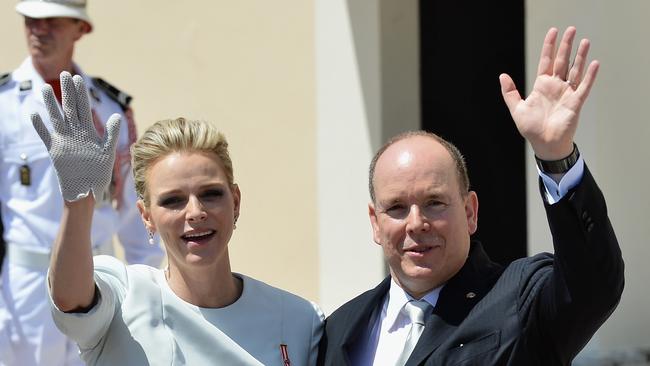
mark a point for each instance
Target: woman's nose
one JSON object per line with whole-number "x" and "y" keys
{"x": 195, "y": 210}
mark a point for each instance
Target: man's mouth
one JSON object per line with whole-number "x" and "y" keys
{"x": 419, "y": 250}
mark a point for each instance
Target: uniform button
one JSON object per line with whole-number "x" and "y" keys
{"x": 590, "y": 227}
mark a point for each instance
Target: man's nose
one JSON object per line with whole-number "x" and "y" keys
{"x": 37, "y": 26}
{"x": 416, "y": 220}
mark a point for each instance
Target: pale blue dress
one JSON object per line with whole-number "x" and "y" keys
{"x": 140, "y": 321}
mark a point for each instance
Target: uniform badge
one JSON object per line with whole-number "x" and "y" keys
{"x": 5, "y": 78}
{"x": 25, "y": 85}
{"x": 25, "y": 171}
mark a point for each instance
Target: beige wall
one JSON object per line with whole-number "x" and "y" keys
{"x": 247, "y": 65}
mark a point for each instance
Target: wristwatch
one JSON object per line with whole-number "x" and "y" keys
{"x": 559, "y": 166}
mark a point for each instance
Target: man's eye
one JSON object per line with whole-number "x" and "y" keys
{"x": 434, "y": 207}
{"x": 397, "y": 211}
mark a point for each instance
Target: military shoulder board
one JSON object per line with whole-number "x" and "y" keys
{"x": 114, "y": 93}
{"x": 5, "y": 78}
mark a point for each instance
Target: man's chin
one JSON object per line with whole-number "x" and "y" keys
{"x": 39, "y": 54}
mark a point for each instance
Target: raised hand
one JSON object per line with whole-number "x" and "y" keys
{"x": 82, "y": 159}
{"x": 548, "y": 117}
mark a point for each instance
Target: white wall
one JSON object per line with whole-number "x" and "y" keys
{"x": 366, "y": 90}
{"x": 613, "y": 137}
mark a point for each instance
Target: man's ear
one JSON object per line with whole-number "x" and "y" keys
{"x": 471, "y": 211}
{"x": 145, "y": 214}
{"x": 82, "y": 28}
{"x": 85, "y": 27}
{"x": 372, "y": 213}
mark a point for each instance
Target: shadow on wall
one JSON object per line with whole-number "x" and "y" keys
{"x": 632, "y": 357}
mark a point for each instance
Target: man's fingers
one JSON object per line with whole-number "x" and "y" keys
{"x": 509, "y": 91}
{"x": 545, "y": 66}
{"x": 112, "y": 132}
{"x": 42, "y": 131}
{"x": 585, "y": 86}
{"x": 561, "y": 64}
{"x": 578, "y": 67}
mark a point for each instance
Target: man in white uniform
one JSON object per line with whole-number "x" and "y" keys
{"x": 30, "y": 199}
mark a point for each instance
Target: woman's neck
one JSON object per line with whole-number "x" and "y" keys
{"x": 207, "y": 287}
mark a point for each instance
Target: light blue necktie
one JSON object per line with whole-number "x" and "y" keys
{"x": 416, "y": 311}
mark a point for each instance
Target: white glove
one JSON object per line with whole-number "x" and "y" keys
{"x": 83, "y": 161}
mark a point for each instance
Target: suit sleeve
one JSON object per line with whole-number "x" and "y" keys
{"x": 567, "y": 299}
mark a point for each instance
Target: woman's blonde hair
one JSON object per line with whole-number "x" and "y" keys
{"x": 176, "y": 135}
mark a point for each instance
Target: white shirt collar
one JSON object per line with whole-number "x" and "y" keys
{"x": 397, "y": 298}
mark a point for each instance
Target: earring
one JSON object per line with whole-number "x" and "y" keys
{"x": 151, "y": 241}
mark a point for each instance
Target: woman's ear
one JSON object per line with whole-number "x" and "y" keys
{"x": 236, "y": 194}
{"x": 145, "y": 214}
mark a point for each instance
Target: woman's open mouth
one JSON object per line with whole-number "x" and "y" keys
{"x": 198, "y": 237}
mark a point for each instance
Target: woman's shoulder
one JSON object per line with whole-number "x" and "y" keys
{"x": 106, "y": 265}
{"x": 274, "y": 297}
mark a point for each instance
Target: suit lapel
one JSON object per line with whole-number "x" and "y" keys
{"x": 461, "y": 293}
{"x": 359, "y": 321}
{"x": 435, "y": 332}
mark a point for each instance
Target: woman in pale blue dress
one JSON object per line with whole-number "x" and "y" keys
{"x": 195, "y": 312}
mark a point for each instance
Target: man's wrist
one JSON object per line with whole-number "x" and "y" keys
{"x": 560, "y": 166}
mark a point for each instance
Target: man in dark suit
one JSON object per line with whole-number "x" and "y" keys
{"x": 445, "y": 302}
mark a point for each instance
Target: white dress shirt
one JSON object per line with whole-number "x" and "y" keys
{"x": 393, "y": 326}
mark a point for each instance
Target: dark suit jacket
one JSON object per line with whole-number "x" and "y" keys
{"x": 539, "y": 310}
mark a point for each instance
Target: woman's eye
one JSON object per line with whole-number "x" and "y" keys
{"x": 169, "y": 201}
{"x": 213, "y": 193}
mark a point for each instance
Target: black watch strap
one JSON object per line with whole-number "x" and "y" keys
{"x": 559, "y": 166}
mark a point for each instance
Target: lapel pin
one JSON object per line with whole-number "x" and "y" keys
{"x": 470, "y": 295}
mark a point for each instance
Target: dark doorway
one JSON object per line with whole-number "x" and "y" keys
{"x": 465, "y": 45}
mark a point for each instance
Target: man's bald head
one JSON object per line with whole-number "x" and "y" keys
{"x": 457, "y": 157}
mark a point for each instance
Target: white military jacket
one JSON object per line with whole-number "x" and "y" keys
{"x": 30, "y": 197}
